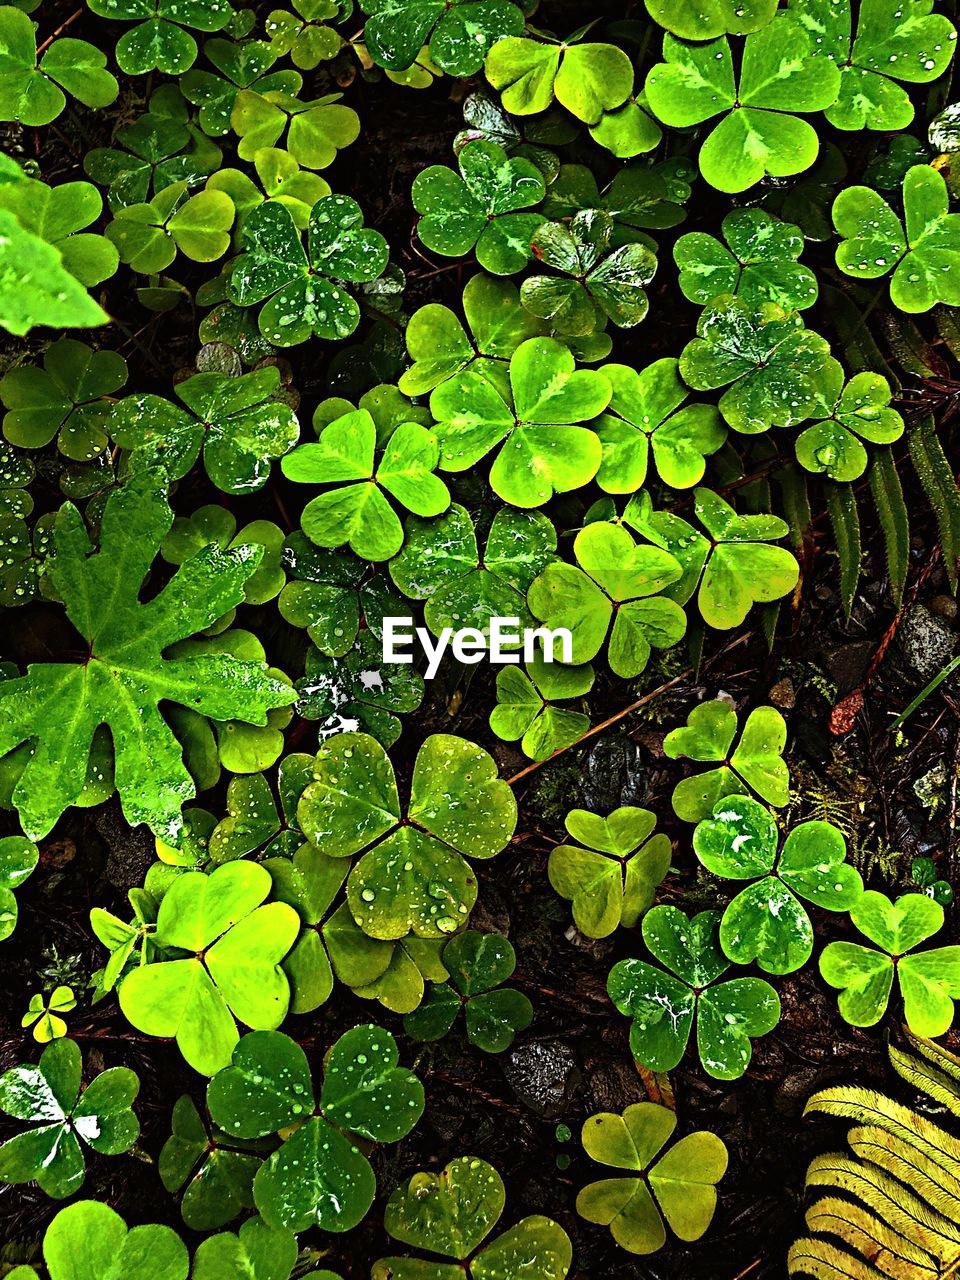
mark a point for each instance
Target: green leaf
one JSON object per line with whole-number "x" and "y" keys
{"x": 18, "y": 860}
{"x": 680, "y": 1185}
{"x": 126, "y": 676}
{"x": 238, "y": 945}
{"x": 60, "y": 214}
{"x": 526, "y": 706}
{"x": 755, "y": 763}
{"x": 612, "y": 881}
{"x": 893, "y": 42}
{"x": 536, "y": 459}
{"x": 758, "y": 263}
{"x": 713, "y": 18}
{"x": 256, "y": 1251}
{"x": 861, "y": 411}
{"x": 588, "y": 79}
{"x": 88, "y": 1241}
{"x": 32, "y": 94}
{"x": 36, "y": 286}
{"x": 781, "y": 77}
{"x": 478, "y": 208}
{"x": 663, "y": 1005}
{"x": 160, "y": 42}
{"x": 459, "y": 33}
{"x": 922, "y": 251}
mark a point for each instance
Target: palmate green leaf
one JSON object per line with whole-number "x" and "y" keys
{"x": 68, "y": 1117}
{"x": 237, "y": 944}
{"x": 67, "y": 398}
{"x": 358, "y": 512}
{"x": 281, "y": 179}
{"x": 60, "y": 214}
{"x": 241, "y": 424}
{"x": 758, "y": 263}
{"x": 639, "y": 197}
{"x": 611, "y": 596}
{"x": 781, "y": 77}
{"x": 893, "y": 42}
{"x": 215, "y": 1178}
{"x": 159, "y": 42}
{"x": 36, "y": 286}
{"x": 663, "y": 1005}
{"x": 304, "y": 291}
{"x": 452, "y": 1213}
{"x": 479, "y": 207}
{"x": 587, "y": 79}
{"x": 755, "y": 763}
{"x": 775, "y": 370}
{"x": 766, "y": 922}
{"x": 126, "y": 675}
{"x": 929, "y": 980}
{"x": 242, "y": 66}
{"x": 858, "y": 411}
{"x": 680, "y": 1185}
{"x": 534, "y": 139}
{"x": 478, "y": 963}
{"x": 541, "y": 449}
{"x": 440, "y": 563}
{"x": 304, "y": 34}
{"x": 712, "y": 18}
{"x": 647, "y": 414}
{"x": 149, "y": 236}
{"x": 88, "y": 1241}
{"x": 459, "y": 33}
{"x": 256, "y": 1251}
{"x": 526, "y": 705}
{"x": 324, "y": 594}
{"x": 923, "y": 251}
{"x": 34, "y": 94}
{"x": 595, "y": 285}
{"x": 417, "y": 879}
{"x": 18, "y": 860}
{"x": 315, "y": 130}
{"x": 612, "y": 872}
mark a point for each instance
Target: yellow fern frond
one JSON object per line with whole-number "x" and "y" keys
{"x": 823, "y": 1261}
{"x": 935, "y": 1077}
{"x": 890, "y": 1252}
{"x": 922, "y": 1174}
{"x": 867, "y": 1106}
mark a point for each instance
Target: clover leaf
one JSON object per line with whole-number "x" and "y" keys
{"x": 211, "y": 523}
{"x": 664, "y": 1005}
{"x": 126, "y": 675}
{"x": 67, "y": 398}
{"x": 357, "y": 511}
{"x": 33, "y": 93}
{"x": 904, "y": 42}
{"x": 237, "y": 945}
{"x": 761, "y": 133}
{"x": 526, "y": 706}
{"x": 211, "y": 1169}
{"x": 543, "y": 450}
{"x": 766, "y": 922}
{"x": 241, "y": 66}
{"x": 281, "y": 180}
{"x": 317, "y": 1176}
{"x": 712, "y": 18}
{"x": 679, "y": 1186}
{"x": 773, "y": 367}
{"x": 755, "y": 764}
{"x": 88, "y": 1241}
{"x": 612, "y": 871}
{"x": 846, "y": 415}
{"x": 240, "y": 424}
{"x": 304, "y": 35}
{"x": 758, "y": 263}
{"x": 486, "y": 119}
{"x": 358, "y": 690}
{"x": 304, "y": 290}
{"x": 256, "y": 1251}
{"x": 611, "y": 596}
{"x": 587, "y": 79}
{"x": 440, "y": 347}
{"x": 416, "y": 879}
{"x": 18, "y": 860}
{"x": 161, "y": 41}
{"x": 159, "y": 148}
{"x": 149, "y": 236}
{"x": 929, "y": 980}
{"x": 459, "y": 33}
{"x": 315, "y": 130}
{"x": 478, "y": 964}
{"x": 478, "y": 208}
{"x": 922, "y": 251}
{"x": 440, "y": 563}
{"x": 43, "y": 1014}
{"x": 451, "y": 1214}
{"x": 639, "y": 197}
{"x": 647, "y": 413}
{"x": 37, "y": 287}
{"x": 325, "y": 594}
{"x": 595, "y": 286}
{"x": 60, "y": 214}
{"x": 99, "y": 1116}
{"x": 309, "y": 882}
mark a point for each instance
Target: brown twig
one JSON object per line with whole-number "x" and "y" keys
{"x": 59, "y": 31}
